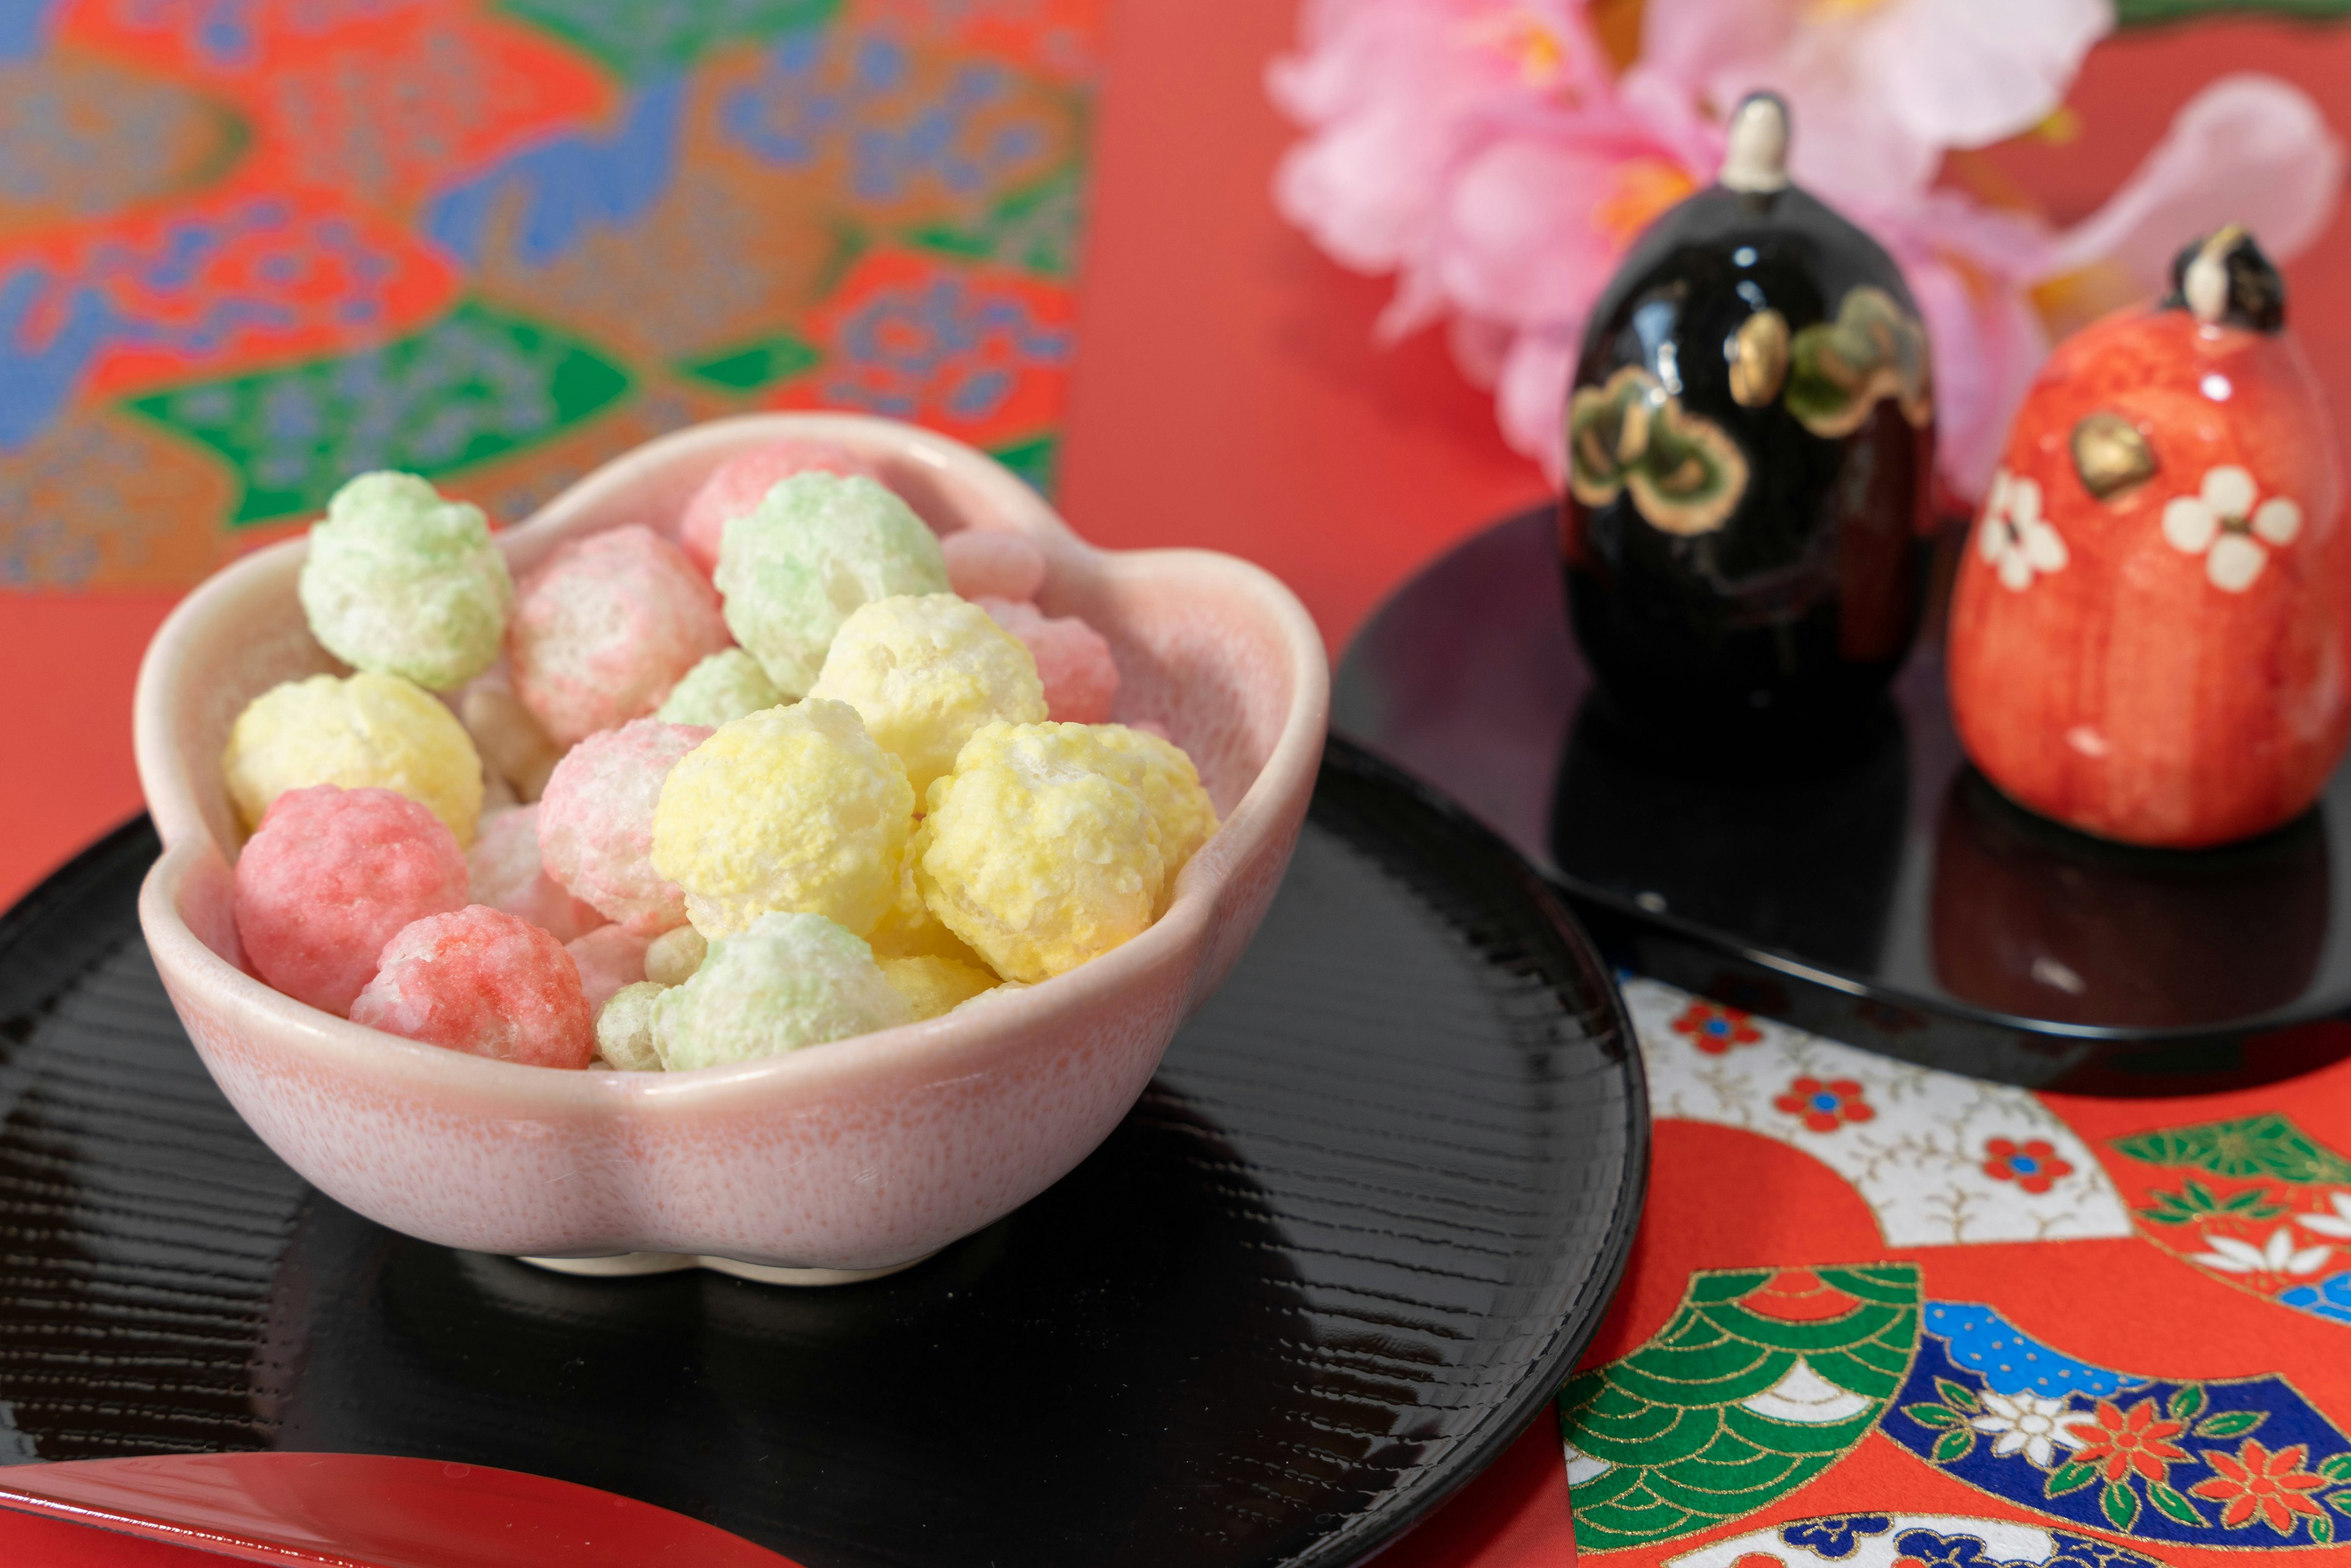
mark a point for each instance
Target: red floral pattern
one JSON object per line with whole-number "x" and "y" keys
{"x": 2258, "y": 1482}
{"x": 1825, "y": 1106}
{"x": 1715, "y": 1029}
{"x": 2124, "y": 1441}
{"x": 2032, "y": 1165}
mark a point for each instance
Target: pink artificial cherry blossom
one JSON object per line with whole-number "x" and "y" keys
{"x": 1879, "y": 87}
{"x": 1390, "y": 86}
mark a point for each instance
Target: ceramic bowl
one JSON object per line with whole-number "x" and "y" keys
{"x": 847, "y": 1158}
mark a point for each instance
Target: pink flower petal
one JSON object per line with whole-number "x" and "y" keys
{"x": 2249, "y": 149}
{"x": 1532, "y": 397}
{"x": 1962, "y": 73}
{"x": 1520, "y": 242}
{"x": 1692, "y": 42}
{"x": 1391, "y": 88}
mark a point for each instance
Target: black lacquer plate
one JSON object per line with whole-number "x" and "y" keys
{"x": 1873, "y": 888}
{"x": 1352, "y": 1239}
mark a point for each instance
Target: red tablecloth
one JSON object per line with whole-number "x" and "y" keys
{"x": 1227, "y": 393}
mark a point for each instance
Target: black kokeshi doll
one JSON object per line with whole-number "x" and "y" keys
{"x": 1751, "y": 441}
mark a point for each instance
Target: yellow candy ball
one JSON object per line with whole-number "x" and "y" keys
{"x": 1170, "y": 786}
{"x": 909, "y": 929}
{"x": 792, "y": 809}
{"x": 924, "y": 672}
{"x": 369, "y": 730}
{"x": 1037, "y": 852}
{"x": 935, "y": 986}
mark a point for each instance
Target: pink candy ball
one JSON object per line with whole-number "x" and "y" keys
{"x": 505, "y": 871}
{"x": 1073, "y": 660}
{"x": 740, "y": 484}
{"x": 609, "y": 957}
{"x": 982, "y": 564}
{"x": 331, "y": 875}
{"x": 596, "y": 822}
{"x": 483, "y": 981}
{"x": 605, "y": 627}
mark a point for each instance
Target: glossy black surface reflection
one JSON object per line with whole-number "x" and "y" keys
{"x": 1882, "y": 899}
{"x": 1795, "y": 608}
{"x": 1353, "y": 1238}
{"x": 1796, "y": 844}
{"x": 2028, "y": 915}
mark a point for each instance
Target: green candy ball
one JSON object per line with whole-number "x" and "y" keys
{"x": 794, "y": 568}
{"x": 789, "y": 981}
{"x": 721, "y": 689}
{"x": 401, "y": 582}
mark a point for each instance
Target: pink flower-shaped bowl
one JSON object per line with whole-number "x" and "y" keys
{"x": 846, "y": 1158}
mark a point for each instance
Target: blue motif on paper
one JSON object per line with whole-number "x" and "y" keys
{"x": 1939, "y": 1549}
{"x": 790, "y": 118}
{"x": 2329, "y": 1299}
{"x": 566, "y": 189}
{"x": 2012, "y": 1361}
{"x": 24, "y": 27}
{"x": 2218, "y": 1417}
{"x": 219, "y": 31}
{"x": 51, "y": 327}
{"x": 1836, "y": 1537}
{"x": 941, "y": 342}
{"x": 39, "y": 370}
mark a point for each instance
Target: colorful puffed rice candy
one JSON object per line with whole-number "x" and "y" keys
{"x": 909, "y": 929}
{"x": 936, "y": 986}
{"x": 365, "y": 731}
{"x": 741, "y": 483}
{"x": 924, "y": 672}
{"x": 721, "y": 689}
{"x": 795, "y": 808}
{"x": 625, "y": 1028}
{"x": 596, "y": 822}
{"x": 482, "y": 981}
{"x": 331, "y": 877}
{"x": 1037, "y": 850}
{"x": 1170, "y": 786}
{"x": 987, "y": 563}
{"x": 674, "y": 955}
{"x": 401, "y": 582}
{"x": 505, "y": 871}
{"x": 1073, "y": 661}
{"x": 513, "y": 747}
{"x": 786, "y": 982}
{"x": 605, "y": 628}
{"x": 817, "y": 548}
{"x": 608, "y": 958}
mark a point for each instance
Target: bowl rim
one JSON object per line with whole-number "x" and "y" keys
{"x": 1257, "y": 823}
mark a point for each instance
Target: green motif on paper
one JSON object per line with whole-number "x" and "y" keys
{"x": 2249, "y": 1146}
{"x": 754, "y": 367}
{"x": 474, "y": 384}
{"x": 1033, "y": 231}
{"x": 1735, "y": 1403}
{"x": 642, "y": 39}
{"x": 1035, "y": 461}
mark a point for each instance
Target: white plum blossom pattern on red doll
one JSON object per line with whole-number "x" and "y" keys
{"x": 2222, "y": 523}
{"x": 2014, "y": 539}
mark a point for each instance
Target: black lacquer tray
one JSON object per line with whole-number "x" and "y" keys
{"x": 1871, "y": 884}
{"x": 1347, "y": 1245}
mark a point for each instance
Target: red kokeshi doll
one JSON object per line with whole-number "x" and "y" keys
{"x": 2150, "y": 639}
